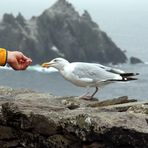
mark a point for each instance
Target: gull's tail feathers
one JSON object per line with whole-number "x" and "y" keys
{"x": 128, "y": 76}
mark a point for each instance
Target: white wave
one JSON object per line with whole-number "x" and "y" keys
{"x": 6, "y": 67}
{"x": 38, "y": 68}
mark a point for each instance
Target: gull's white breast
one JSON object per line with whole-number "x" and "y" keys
{"x": 68, "y": 74}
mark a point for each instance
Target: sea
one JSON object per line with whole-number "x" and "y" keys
{"x": 50, "y": 81}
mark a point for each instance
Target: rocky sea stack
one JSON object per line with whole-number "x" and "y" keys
{"x": 135, "y": 60}
{"x": 59, "y": 31}
{"x": 30, "y": 119}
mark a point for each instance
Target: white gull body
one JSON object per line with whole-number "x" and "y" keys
{"x": 88, "y": 74}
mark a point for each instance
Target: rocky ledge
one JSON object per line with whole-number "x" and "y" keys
{"x": 31, "y": 119}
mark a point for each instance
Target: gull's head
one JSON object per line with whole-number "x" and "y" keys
{"x": 57, "y": 63}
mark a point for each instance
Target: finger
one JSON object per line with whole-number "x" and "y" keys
{"x": 26, "y": 58}
{"x": 29, "y": 60}
{"x": 21, "y": 56}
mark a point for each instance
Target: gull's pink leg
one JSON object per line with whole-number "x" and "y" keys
{"x": 86, "y": 97}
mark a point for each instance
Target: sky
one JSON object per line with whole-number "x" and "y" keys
{"x": 27, "y": 7}
{"x": 36, "y": 7}
{"x": 116, "y": 17}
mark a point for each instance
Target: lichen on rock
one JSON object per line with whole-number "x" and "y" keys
{"x": 36, "y": 120}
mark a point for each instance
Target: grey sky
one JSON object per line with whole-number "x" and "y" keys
{"x": 36, "y": 7}
{"x": 26, "y": 7}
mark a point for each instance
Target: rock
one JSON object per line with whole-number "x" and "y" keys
{"x": 33, "y": 119}
{"x": 141, "y": 108}
{"x": 120, "y": 100}
{"x": 6, "y": 133}
{"x": 59, "y": 31}
{"x": 134, "y": 60}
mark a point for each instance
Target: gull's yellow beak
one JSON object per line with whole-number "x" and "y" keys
{"x": 46, "y": 65}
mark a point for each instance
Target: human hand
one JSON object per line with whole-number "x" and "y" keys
{"x": 17, "y": 60}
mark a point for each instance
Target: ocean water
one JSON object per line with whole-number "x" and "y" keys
{"x": 50, "y": 81}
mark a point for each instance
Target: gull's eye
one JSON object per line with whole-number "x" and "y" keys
{"x": 55, "y": 60}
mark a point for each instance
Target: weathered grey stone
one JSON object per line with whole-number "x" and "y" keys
{"x": 38, "y": 120}
{"x": 6, "y": 133}
{"x": 120, "y": 100}
{"x": 9, "y": 144}
{"x": 44, "y": 126}
{"x": 141, "y": 108}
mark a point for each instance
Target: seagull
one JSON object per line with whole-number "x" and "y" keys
{"x": 89, "y": 74}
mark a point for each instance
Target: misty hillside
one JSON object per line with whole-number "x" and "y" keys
{"x": 59, "y": 31}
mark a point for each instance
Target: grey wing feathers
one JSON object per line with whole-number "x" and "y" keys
{"x": 99, "y": 72}
{"x": 83, "y": 70}
{"x": 94, "y": 71}
{"x": 126, "y": 76}
{"x": 112, "y": 70}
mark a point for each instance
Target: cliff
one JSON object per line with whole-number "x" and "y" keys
{"x": 30, "y": 119}
{"x": 59, "y": 31}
